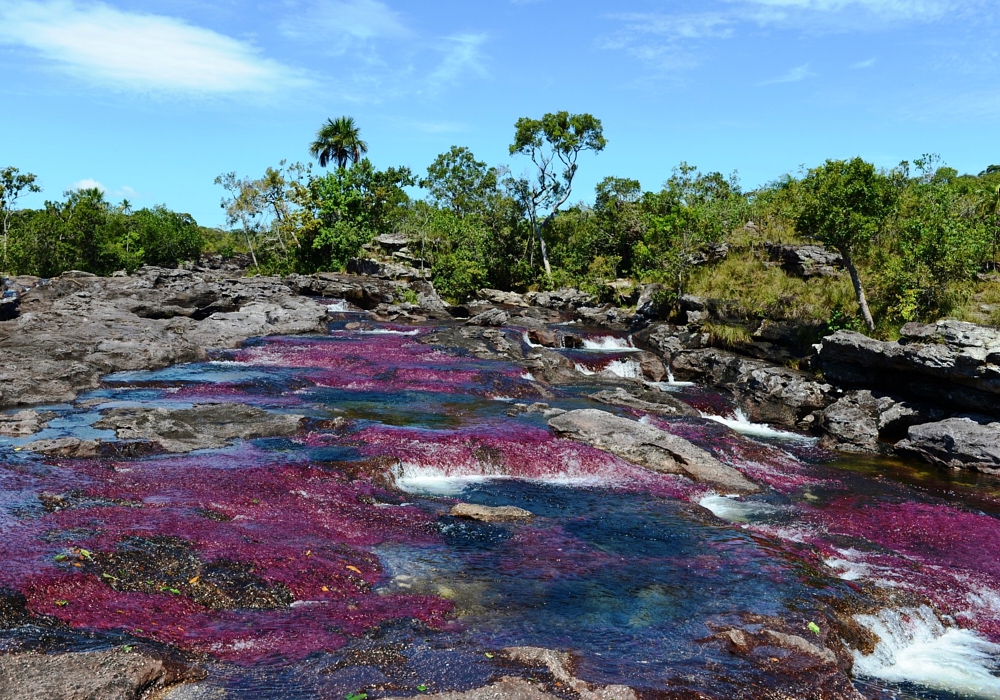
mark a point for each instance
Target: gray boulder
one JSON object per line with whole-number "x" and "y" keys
{"x": 490, "y": 317}
{"x": 490, "y": 514}
{"x": 563, "y": 299}
{"x": 966, "y": 442}
{"x": 650, "y": 401}
{"x": 806, "y": 260}
{"x": 203, "y": 426}
{"x": 385, "y": 271}
{"x": 501, "y": 298}
{"x": 25, "y": 422}
{"x": 949, "y": 363}
{"x": 649, "y": 447}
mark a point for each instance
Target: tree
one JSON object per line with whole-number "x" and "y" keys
{"x": 338, "y": 140}
{"x": 244, "y": 206}
{"x": 460, "y": 182}
{"x": 553, "y": 143}
{"x": 845, "y": 205}
{"x": 13, "y": 185}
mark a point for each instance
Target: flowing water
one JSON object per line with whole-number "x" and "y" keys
{"x": 632, "y": 571}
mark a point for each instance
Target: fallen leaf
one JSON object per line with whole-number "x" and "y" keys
{"x": 354, "y": 569}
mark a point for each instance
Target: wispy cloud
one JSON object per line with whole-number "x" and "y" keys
{"x": 660, "y": 40}
{"x": 863, "y": 64}
{"x": 123, "y": 192}
{"x": 792, "y": 76}
{"x": 345, "y": 22}
{"x": 102, "y": 45}
{"x": 462, "y": 55}
{"x": 896, "y": 9}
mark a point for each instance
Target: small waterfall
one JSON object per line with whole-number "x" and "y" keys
{"x": 741, "y": 424}
{"x": 609, "y": 343}
{"x": 915, "y": 647}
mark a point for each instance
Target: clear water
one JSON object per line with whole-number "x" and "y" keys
{"x": 629, "y": 570}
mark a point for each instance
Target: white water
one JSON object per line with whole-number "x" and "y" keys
{"x": 527, "y": 341}
{"x": 385, "y": 331}
{"x": 741, "y": 424}
{"x": 340, "y": 305}
{"x": 608, "y": 343}
{"x": 583, "y": 370}
{"x": 671, "y": 384}
{"x": 732, "y": 509}
{"x": 627, "y": 369}
{"x": 916, "y": 647}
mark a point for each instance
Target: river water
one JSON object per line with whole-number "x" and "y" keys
{"x": 631, "y": 571}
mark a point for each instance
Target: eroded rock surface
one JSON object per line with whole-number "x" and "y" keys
{"x": 490, "y": 514}
{"x": 965, "y": 442}
{"x": 101, "y": 675}
{"x": 203, "y": 426}
{"x": 650, "y": 447}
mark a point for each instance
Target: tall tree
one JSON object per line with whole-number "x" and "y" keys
{"x": 553, "y": 143}
{"x": 338, "y": 140}
{"x": 13, "y": 185}
{"x": 846, "y": 204}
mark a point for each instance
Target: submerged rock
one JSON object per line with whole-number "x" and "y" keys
{"x": 24, "y": 423}
{"x": 506, "y": 688}
{"x": 202, "y": 426}
{"x": 648, "y": 400}
{"x": 966, "y": 442}
{"x": 649, "y": 447}
{"x": 99, "y": 675}
{"x": 490, "y": 514}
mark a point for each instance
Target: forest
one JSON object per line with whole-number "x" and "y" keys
{"x": 917, "y": 242}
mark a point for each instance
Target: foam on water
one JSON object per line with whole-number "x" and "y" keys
{"x": 733, "y": 509}
{"x": 386, "y": 331}
{"x": 915, "y": 647}
{"x": 527, "y": 341}
{"x": 582, "y": 369}
{"x": 741, "y": 424}
{"x": 609, "y": 343}
{"x": 627, "y": 369}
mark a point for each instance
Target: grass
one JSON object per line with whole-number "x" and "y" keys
{"x": 761, "y": 289}
{"x": 726, "y": 336}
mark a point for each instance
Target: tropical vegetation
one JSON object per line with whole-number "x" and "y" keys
{"x": 917, "y": 242}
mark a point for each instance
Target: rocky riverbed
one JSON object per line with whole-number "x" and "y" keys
{"x": 230, "y": 487}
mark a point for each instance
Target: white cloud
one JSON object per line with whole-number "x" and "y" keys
{"x": 793, "y": 76}
{"x": 362, "y": 20}
{"x": 103, "y": 45}
{"x": 902, "y": 9}
{"x": 691, "y": 26}
{"x": 864, "y": 64}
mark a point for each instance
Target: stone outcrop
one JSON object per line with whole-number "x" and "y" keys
{"x": 103, "y": 675}
{"x": 501, "y": 298}
{"x": 964, "y": 442}
{"x": 863, "y": 421}
{"x": 23, "y": 423}
{"x": 202, "y": 426}
{"x": 385, "y": 270}
{"x": 949, "y": 363}
{"x": 490, "y": 317}
{"x": 648, "y": 400}
{"x": 649, "y": 447}
{"x": 806, "y": 260}
{"x": 766, "y": 393}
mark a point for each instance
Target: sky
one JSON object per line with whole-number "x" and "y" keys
{"x": 151, "y": 100}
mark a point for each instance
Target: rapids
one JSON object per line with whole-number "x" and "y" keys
{"x": 630, "y": 570}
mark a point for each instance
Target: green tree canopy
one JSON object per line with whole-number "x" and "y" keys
{"x": 338, "y": 140}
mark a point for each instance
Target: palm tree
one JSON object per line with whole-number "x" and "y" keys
{"x": 338, "y": 140}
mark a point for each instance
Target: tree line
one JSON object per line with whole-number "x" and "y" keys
{"x": 913, "y": 238}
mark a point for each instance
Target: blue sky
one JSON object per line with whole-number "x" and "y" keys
{"x": 154, "y": 99}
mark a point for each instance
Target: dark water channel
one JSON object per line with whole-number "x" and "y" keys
{"x": 629, "y": 570}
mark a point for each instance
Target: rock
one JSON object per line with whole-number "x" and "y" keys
{"x": 649, "y": 447}
{"x": 559, "y": 665}
{"x": 608, "y": 316}
{"x": 649, "y": 306}
{"x": 806, "y": 260}
{"x": 647, "y": 400}
{"x": 384, "y": 270}
{"x": 24, "y": 423}
{"x": 544, "y": 337}
{"x": 496, "y": 296}
{"x": 563, "y": 299}
{"x": 74, "y": 329}
{"x": 965, "y": 442}
{"x": 694, "y": 308}
{"x": 652, "y": 367}
{"x": 852, "y": 422}
{"x": 491, "y": 317}
{"x": 506, "y": 688}
{"x": 667, "y": 340}
{"x": 203, "y": 426}
{"x": 488, "y": 514}
{"x": 64, "y": 447}
{"x": 857, "y": 421}
{"x": 391, "y": 242}
{"x": 767, "y": 394}
{"x": 949, "y": 363}
{"x": 98, "y": 675}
